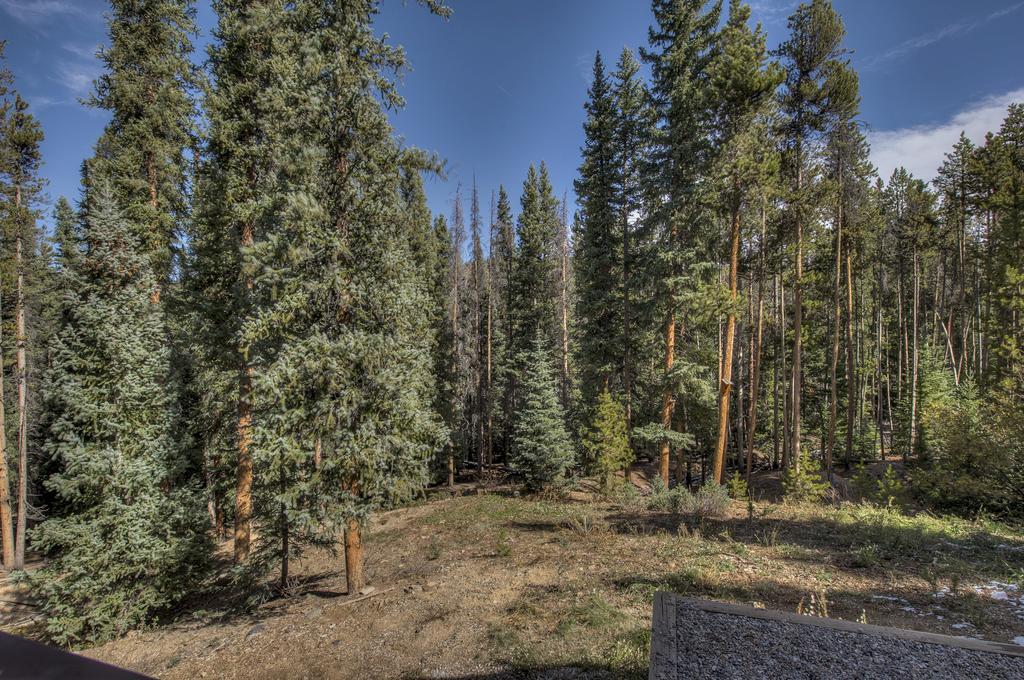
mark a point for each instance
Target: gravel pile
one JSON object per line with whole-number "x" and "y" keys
{"x": 692, "y": 643}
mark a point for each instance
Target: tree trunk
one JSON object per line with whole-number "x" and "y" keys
{"x": 6, "y": 520}
{"x": 22, "y": 377}
{"x": 797, "y": 380}
{"x": 353, "y": 557}
{"x": 285, "y": 548}
{"x": 565, "y": 308}
{"x": 667, "y": 401}
{"x": 755, "y": 382}
{"x": 834, "y": 363}
{"x": 851, "y": 378}
{"x": 777, "y": 371}
{"x": 913, "y": 378}
{"x": 627, "y": 323}
{"x": 725, "y": 383}
{"x": 243, "y": 480}
{"x": 488, "y": 406}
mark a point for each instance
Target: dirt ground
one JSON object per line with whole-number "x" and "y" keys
{"x": 497, "y": 586}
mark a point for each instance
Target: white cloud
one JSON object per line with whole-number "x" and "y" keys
{"x": 926, "y": 39}
{"x": 87, "y": 52}
{"x": 78, "y": 76}
{"x": 921, "y": 149}
{"x": 37, "y": 11}
{"x": 772, "y": 12}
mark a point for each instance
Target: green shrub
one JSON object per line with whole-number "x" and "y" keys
{"x": 737, "y": 486}
{"x": 606, "y": 441}
{"x": 658, "y": 501}
{"x": 711, "y": 500}
{"x": 887, "y": 491}
{"x": 969, "y": 450}
{"x": 889, "y": 488}
{"x": 804, "y": 483}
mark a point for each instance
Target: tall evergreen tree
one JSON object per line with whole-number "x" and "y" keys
{"x": 541, "y": 451}
{"x": 634, "y": 123}
{"x": 537, "y": 264}
{"x": 334, "y": 331}
{"x": 503, "y": 263}
{"x": 148, "y": 87}
{"x": 21, "y": 187}
{"x": 130, "y": 542}
{"x": 681, "y": 51}
{"x": 599, "y": 256}
{"x": 743, "y": 86}
{"x": 6, "y": 516}
{"x": 818, "y": 90}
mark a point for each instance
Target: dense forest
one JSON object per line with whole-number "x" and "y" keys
{"x": 249, "y": 329}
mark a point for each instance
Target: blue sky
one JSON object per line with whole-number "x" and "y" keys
{"x": 501, "y": 85}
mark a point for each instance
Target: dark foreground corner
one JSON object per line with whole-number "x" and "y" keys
{"x": 22, "y": 659}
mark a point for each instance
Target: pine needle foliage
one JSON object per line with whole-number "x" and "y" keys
{"x": 541, "y": 451}
{"x": 130, "y": 542}
{"x": 606, "y": 441}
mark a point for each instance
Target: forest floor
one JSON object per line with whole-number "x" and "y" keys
{"x": 498, "y": 586}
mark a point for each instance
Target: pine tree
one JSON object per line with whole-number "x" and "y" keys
{"x": 503, "y": 263}
{"x": 335, "y": 317}
{"x": 541, "y": 451}
{"x": 606, "y": 441}
{"x": 743, "y": 86}
{"x": 458, "y": 368}
{"x": 6, "y": 517}
{"x": 21, "y": 187}
{"x": 477, "y": 313}
{"x": 634, "y": 122}
{"x": 599, "y": 244}
{"x": 147, "y": 87}
{"x": 537, "y": 265}
{"x": 818, "y": 90}
{"x": 130, "y": 542}
{"x": 681, "y": 52}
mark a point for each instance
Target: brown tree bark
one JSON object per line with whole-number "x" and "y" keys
{"x": 668, "y": 400}
{"x": 244, "y": 473}
{"x": 913, "y": 376}
{"x": 353, "y": 557}
{"x": 797, "y": 379}
{"x": 564, "y": 295}
{"x": 755, "y": 382}
{"x": 851, "y": 378}
{"x": 6, "y": 518}
{"x": 22, "y": 381}
{"x": 725, "y": 383}
{"x": 833, "y": 404}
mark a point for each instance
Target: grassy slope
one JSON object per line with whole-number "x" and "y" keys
{"x": 493, "y": 586}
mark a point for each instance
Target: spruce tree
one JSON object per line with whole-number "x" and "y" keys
{"x": 148, "y": 87}
{"x": 130, "y": 542}
{"x": 6, "y": 516}
{"x": 743, "y": 86}
{"x": 634, "y": 123}
{"x": 21, "y": 187}
{"x": 599, "y": 244}
{"x": 536, "y": 270}
{"x": 606, "y": 440}
{"x": 541, "y": 451}
{"x": 682, "y": 48}
{"x": 334, "y": 316}
{"x": 503, "y": 264}
{"x": 818, "y": 90}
